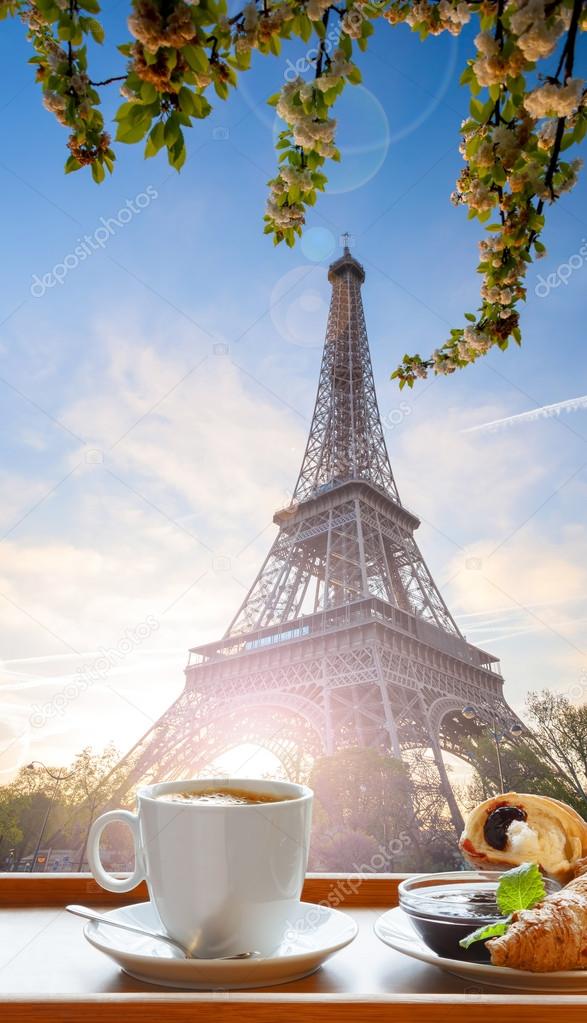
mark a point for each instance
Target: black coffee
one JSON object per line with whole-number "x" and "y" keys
{"x": 221, "y": 797}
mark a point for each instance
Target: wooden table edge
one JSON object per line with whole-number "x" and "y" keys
{"x": 336, "y": 890}
{"x": 175, "y": 1008}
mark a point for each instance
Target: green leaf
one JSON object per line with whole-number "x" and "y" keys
{"x": 201, "y": 107}
{"x": 171, "y": 131}
{"x": 520, "y": 888}
{"x": 98, "y": 172}
{"x": 186, "y": 100}
{"x": 466, "y": 76}
{"x": 482, "y": 933}
{"x": 130, "y": 133}
{"x": 139, "y": 114}
{"x": 306, "y": 27}
{"x": 97, "y": 30}
{"x": 149, "y": 93}
{"x": 156, "y": 139}
{"x": 346, "y": 45}
{"x": 498, "y": 174}
{"x": 196, "y": 57}
{"x": 476, "y": 108}
{"x": 71, "y": 164}
{"x": 123, "y": 111}
{"x": 178, "y": 153}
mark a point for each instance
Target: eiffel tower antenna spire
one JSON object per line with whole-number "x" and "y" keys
{"x": 343, "y": 638}
{"x": 346, "y": 438}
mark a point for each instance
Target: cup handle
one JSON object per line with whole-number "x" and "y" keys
{"x": 108, "y": 881}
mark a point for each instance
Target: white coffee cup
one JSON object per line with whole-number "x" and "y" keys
{"x": 222, "y": 876}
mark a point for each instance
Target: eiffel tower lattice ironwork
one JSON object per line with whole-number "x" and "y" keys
{"x": 344, "y": 638}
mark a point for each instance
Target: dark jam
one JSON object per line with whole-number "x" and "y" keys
{"x": 464, "y": 903}
{"x": 496, "y": 826}
{"x": 450, "y": 912}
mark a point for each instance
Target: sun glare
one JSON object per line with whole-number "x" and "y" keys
{"x": 247, "y": 761}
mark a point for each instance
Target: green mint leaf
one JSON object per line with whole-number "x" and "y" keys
{"x": 489, "y": 931}
{"x": 520, "y": 888}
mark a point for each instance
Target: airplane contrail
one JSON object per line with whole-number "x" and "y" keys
{"x": 543, "y": 412}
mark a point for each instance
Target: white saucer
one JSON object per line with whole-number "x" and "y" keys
{"x": 395, "y": 929}
{"x": 311, "y": 935}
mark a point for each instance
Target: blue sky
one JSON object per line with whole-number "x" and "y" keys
{"x": 156, "y": 402}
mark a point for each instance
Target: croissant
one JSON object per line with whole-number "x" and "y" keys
{"x": 515, "y": 828}
{"x": 551, "y": 936}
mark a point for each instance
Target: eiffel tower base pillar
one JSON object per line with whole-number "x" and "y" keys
{"x": 455, "y": 813}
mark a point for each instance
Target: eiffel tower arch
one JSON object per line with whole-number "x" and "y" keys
{"x": 343, "y": 639}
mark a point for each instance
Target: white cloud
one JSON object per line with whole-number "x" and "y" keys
{"x": 158, "y": 527}
{"x": 455, "y": 481}
{"x": 508, "y": 552}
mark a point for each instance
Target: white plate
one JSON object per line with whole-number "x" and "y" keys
{"x": 395, "y": 929}
{"x": 311, "y": 935}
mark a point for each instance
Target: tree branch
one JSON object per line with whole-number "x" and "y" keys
{"x": 108, "y": 81}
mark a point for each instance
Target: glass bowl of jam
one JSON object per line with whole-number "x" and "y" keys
{"x": 446, "y": 907}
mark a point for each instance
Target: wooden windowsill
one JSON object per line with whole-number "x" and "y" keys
{"x": 49, "y": 973}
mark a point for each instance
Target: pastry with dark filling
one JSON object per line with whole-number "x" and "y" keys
{"x": 515, "y": 828}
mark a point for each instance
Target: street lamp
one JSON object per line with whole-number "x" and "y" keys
{"x": 57, "y": 778}
{"x": 496, "y": 728}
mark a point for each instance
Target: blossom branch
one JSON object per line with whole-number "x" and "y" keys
{"x": 512, "y": 145}
{"x": 520, "y": 124}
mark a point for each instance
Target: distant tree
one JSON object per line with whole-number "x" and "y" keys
{"x": 82, "y": 792}
{"x": 30, "y": 794}
{"x": 361, "y": 788}
{"x": 550, "y": 759}
{"x": 434, "y": 841}
{"x": 525, "y": 769}
{"x": 10, "y": 832}
{"x": 559, "y": 736}
{"x": 344, "y": 850}
{"x": 24, "y": 803}
{"x": 375, "y": 812}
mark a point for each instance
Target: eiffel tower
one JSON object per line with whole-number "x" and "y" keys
{"x": 344, "y": 638}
